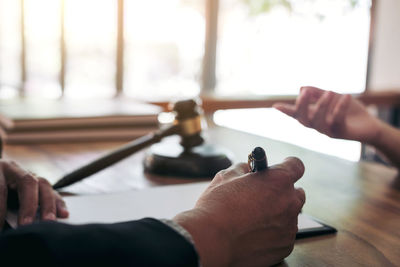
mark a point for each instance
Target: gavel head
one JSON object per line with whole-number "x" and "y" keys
{"x": 188, "y": 118}
{"x": 196, "y": 159}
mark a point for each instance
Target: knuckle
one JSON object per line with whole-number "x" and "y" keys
{"x": 235, "y": 170}
{"x": 329, "y": 93}
{"x": 11, "y": 162}
{"x": 237, "y": 166}
{"x": 8, "y": 164}
{"x": 305, "y": 90}
{"x": 43, "y": 182}
{"x": 221, "y": 174}
{"x": 242, "y": 166}
{"x": 28, "y": 178}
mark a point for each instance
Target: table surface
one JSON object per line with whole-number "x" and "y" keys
{"x": 361, "y": 200}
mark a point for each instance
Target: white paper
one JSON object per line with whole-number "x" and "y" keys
{"x": 158, "y": 202}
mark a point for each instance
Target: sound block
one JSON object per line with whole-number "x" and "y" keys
{"x": 170, "y": 159}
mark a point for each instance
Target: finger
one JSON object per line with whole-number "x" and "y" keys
{"x": 302, "y": 106}
{"x": 26, "y": 185}
{"x": 332, "y": 105}
{"x": 11, "y": 172}
{"x": 301, "y": 195}
{"x": 62, "y": 211}
{"x": 314, "y": 92}
{"x": 341, "y": 108}
{"x": 237, "y": 169}
{"x": 293, "y": 166}
{"x": 241, "y": 168}
{"x": 319, "y": 118}
{"x": 234, "y": 171}
{"x": 3, "y": 199}
{"x": 47, "y": 201}
{"x": 288, "y": 109}
{"x": 28, "y": 195}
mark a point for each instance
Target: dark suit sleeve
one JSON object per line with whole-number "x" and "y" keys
{"x": 146, "y": 242}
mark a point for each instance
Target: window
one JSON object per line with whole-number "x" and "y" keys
{"x": 155, "y": 49}
{"x": 164, "y": 44}
{"x": 89, "y": 48}
{"x": 41, "y": 33}
{"x": 90, "y": 32}
{"x": 10, "y": 48}
{"x": 165, "y": 49}
{"x": 274, "y": 49}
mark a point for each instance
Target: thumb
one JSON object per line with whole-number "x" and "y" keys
{"x": 288, "y": 109}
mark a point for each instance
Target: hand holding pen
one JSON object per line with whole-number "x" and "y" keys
{"x": 262, "y": 203}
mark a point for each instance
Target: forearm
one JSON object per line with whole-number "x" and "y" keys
{"x": 146, "y": 242}
{"x": 388, "y": 143}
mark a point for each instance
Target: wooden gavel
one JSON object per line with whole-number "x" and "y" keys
{"x": 187, "y": 125}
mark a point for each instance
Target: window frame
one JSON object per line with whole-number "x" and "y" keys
{"x": 208, "y": 70}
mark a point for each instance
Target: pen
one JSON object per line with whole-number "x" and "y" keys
{"x": 257, "y": 160}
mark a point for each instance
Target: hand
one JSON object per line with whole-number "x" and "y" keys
{"x": 32, "y": 191}
{"x": 336, "y": 115}
{"x": 247, "y": 219}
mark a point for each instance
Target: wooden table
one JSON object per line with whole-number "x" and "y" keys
{"x": 361, "y": 200}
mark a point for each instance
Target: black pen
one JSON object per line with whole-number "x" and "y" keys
{"x": 257, "y": 160}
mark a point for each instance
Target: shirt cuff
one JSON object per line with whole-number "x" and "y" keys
{"x": 178, "y": 228}
{"x": 182, "y": 231}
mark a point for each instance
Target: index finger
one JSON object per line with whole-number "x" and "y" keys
{"x": 313, "y": 91}
{"x": 293, "y": 166}
{"x": 233, "y": 171}
{"x": 28, "y": 193}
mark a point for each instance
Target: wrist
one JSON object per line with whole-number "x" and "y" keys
{"x": 379, "y": 134}
{"x": 210, "y": 240}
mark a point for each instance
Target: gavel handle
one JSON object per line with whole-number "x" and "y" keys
{"x": 114, "y": 156}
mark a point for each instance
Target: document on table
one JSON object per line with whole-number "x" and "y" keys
{"x": 158, "y": 202}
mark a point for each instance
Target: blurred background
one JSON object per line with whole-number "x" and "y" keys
{"x": 163, "y": 50}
